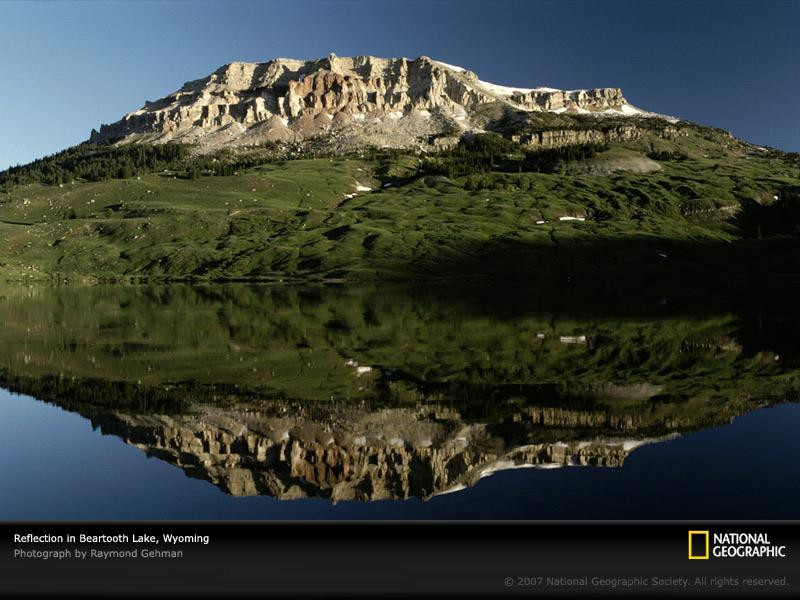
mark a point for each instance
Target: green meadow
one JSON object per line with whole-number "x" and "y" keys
{"x": 714, "y": 207}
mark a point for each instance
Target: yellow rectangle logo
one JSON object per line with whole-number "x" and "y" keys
{"x": 697, "y": 534}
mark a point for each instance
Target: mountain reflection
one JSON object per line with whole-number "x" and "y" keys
{"x": 374, "y": 393}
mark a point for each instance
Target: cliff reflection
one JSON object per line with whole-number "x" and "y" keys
{"x": 364, "y": 393}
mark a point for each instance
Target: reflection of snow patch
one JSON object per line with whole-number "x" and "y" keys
{"x": 360, "y": 440}
{"x": 629, "y": 445}
{"x": 502, "y": 465}
{"x": 456, "y": 488}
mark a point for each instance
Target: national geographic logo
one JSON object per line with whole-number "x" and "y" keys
{"x": 703, "y": 545}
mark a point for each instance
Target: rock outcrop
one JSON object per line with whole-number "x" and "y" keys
{"x": 361, "y": 100}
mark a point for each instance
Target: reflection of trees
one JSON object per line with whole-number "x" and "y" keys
{"x": 159, "y": 348}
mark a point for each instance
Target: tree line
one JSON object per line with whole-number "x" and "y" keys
{"x": 487, "y": 153}
{"x": 93, "y": 162}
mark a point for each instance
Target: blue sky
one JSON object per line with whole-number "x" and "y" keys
{"x": 68, "y": 67}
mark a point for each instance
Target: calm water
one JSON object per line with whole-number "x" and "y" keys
{"x": 237, "y": 402}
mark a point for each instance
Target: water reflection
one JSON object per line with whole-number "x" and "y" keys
{"x": 374, "y": 393}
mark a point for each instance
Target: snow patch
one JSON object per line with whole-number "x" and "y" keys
{"x": 627, "y": 109}
{"x": 451, "y": 67}
{"x": 504, "y": 90}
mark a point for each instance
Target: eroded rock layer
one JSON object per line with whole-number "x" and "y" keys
{"x": 361, "y": 100}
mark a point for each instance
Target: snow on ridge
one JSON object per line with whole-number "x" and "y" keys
{"x": 504, "y": 90}
{"x": 451, "y": 67}
{"x": 630, "y": 110}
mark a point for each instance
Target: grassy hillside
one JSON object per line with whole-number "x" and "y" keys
{"x": 703, "y": 204}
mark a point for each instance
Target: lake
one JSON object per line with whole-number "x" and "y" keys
{"x": 388, "y": 402}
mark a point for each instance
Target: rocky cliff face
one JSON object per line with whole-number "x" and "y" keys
{"x": 566, "y": 137}
{"x": 354, "y": 101}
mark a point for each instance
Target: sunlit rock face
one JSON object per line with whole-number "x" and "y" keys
{"x": 360, "y": 100}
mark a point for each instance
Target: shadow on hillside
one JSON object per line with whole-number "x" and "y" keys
{"x": 656, "y": 263}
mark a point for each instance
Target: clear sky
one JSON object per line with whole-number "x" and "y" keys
{"x": 68, "y": 67}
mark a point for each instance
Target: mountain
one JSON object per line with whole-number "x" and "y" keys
{"x": 357, "y": 101}
{"x": 366, "y": 168}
